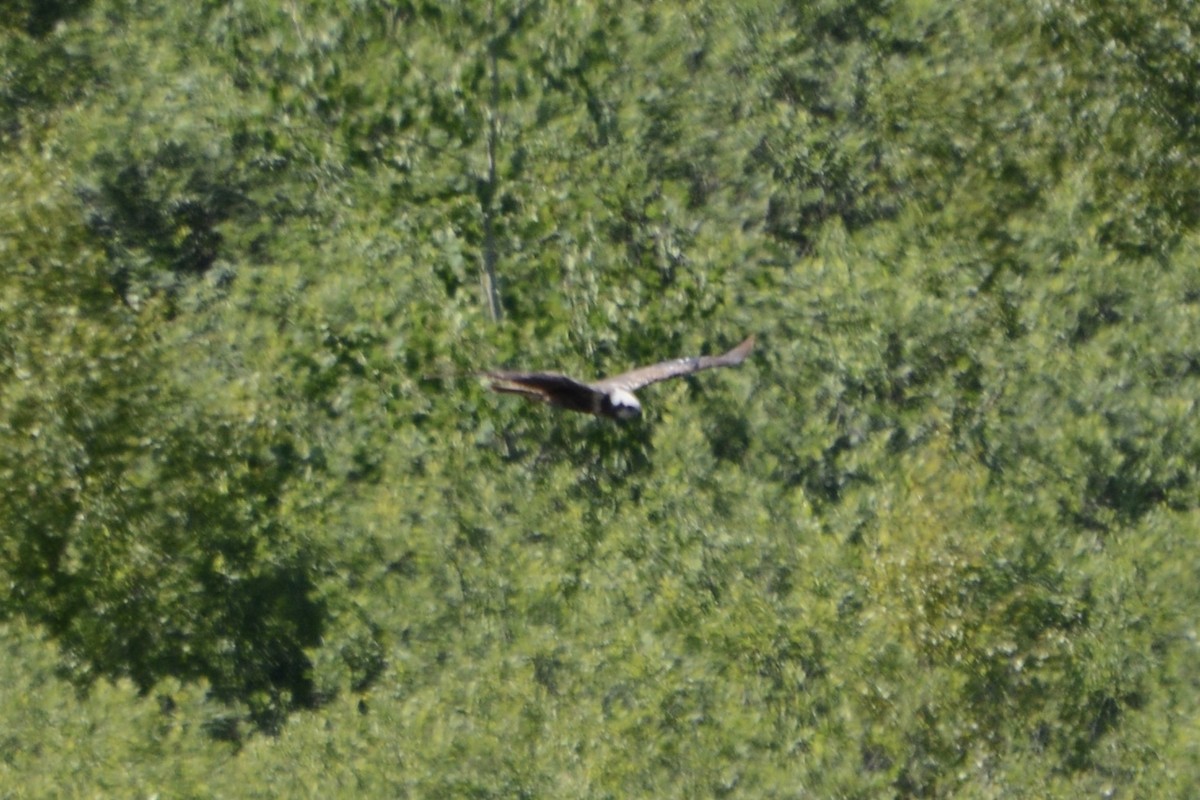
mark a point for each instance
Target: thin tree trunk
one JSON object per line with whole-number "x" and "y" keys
{"x": 491, "y": 286}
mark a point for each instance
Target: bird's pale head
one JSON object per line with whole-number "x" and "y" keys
{"x": 624, "y": 404}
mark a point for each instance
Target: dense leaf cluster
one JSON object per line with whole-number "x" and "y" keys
{"x": 936, "y": 538}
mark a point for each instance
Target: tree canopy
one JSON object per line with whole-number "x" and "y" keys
{"x": 264, "y": 532}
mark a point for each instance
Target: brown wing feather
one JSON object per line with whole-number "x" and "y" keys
{"x": 548, "y": 387}
{"x": 644, "y": 376}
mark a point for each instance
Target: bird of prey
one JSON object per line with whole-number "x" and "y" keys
{"x": 609, "y": 397}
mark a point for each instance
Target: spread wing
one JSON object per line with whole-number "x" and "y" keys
{"x": 644, "y": 376}
{"x": 548, "y": 387}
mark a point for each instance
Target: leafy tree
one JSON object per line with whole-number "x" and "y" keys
{"x": 933, "y": 539}
{"x": 143, "y": 528}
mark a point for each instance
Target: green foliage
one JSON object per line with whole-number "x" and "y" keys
{"x": 143, "y": 527}
{"x": 936, "y": 538}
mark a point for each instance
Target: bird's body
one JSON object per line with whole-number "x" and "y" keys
{"x": 609, "y": 397}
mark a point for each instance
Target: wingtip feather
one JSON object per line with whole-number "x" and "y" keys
{"x": 739, "y": 353}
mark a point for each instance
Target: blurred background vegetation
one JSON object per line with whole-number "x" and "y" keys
{"x": 264, "y": 534}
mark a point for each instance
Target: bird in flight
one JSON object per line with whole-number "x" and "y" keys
{"x": 609, "y": 397}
